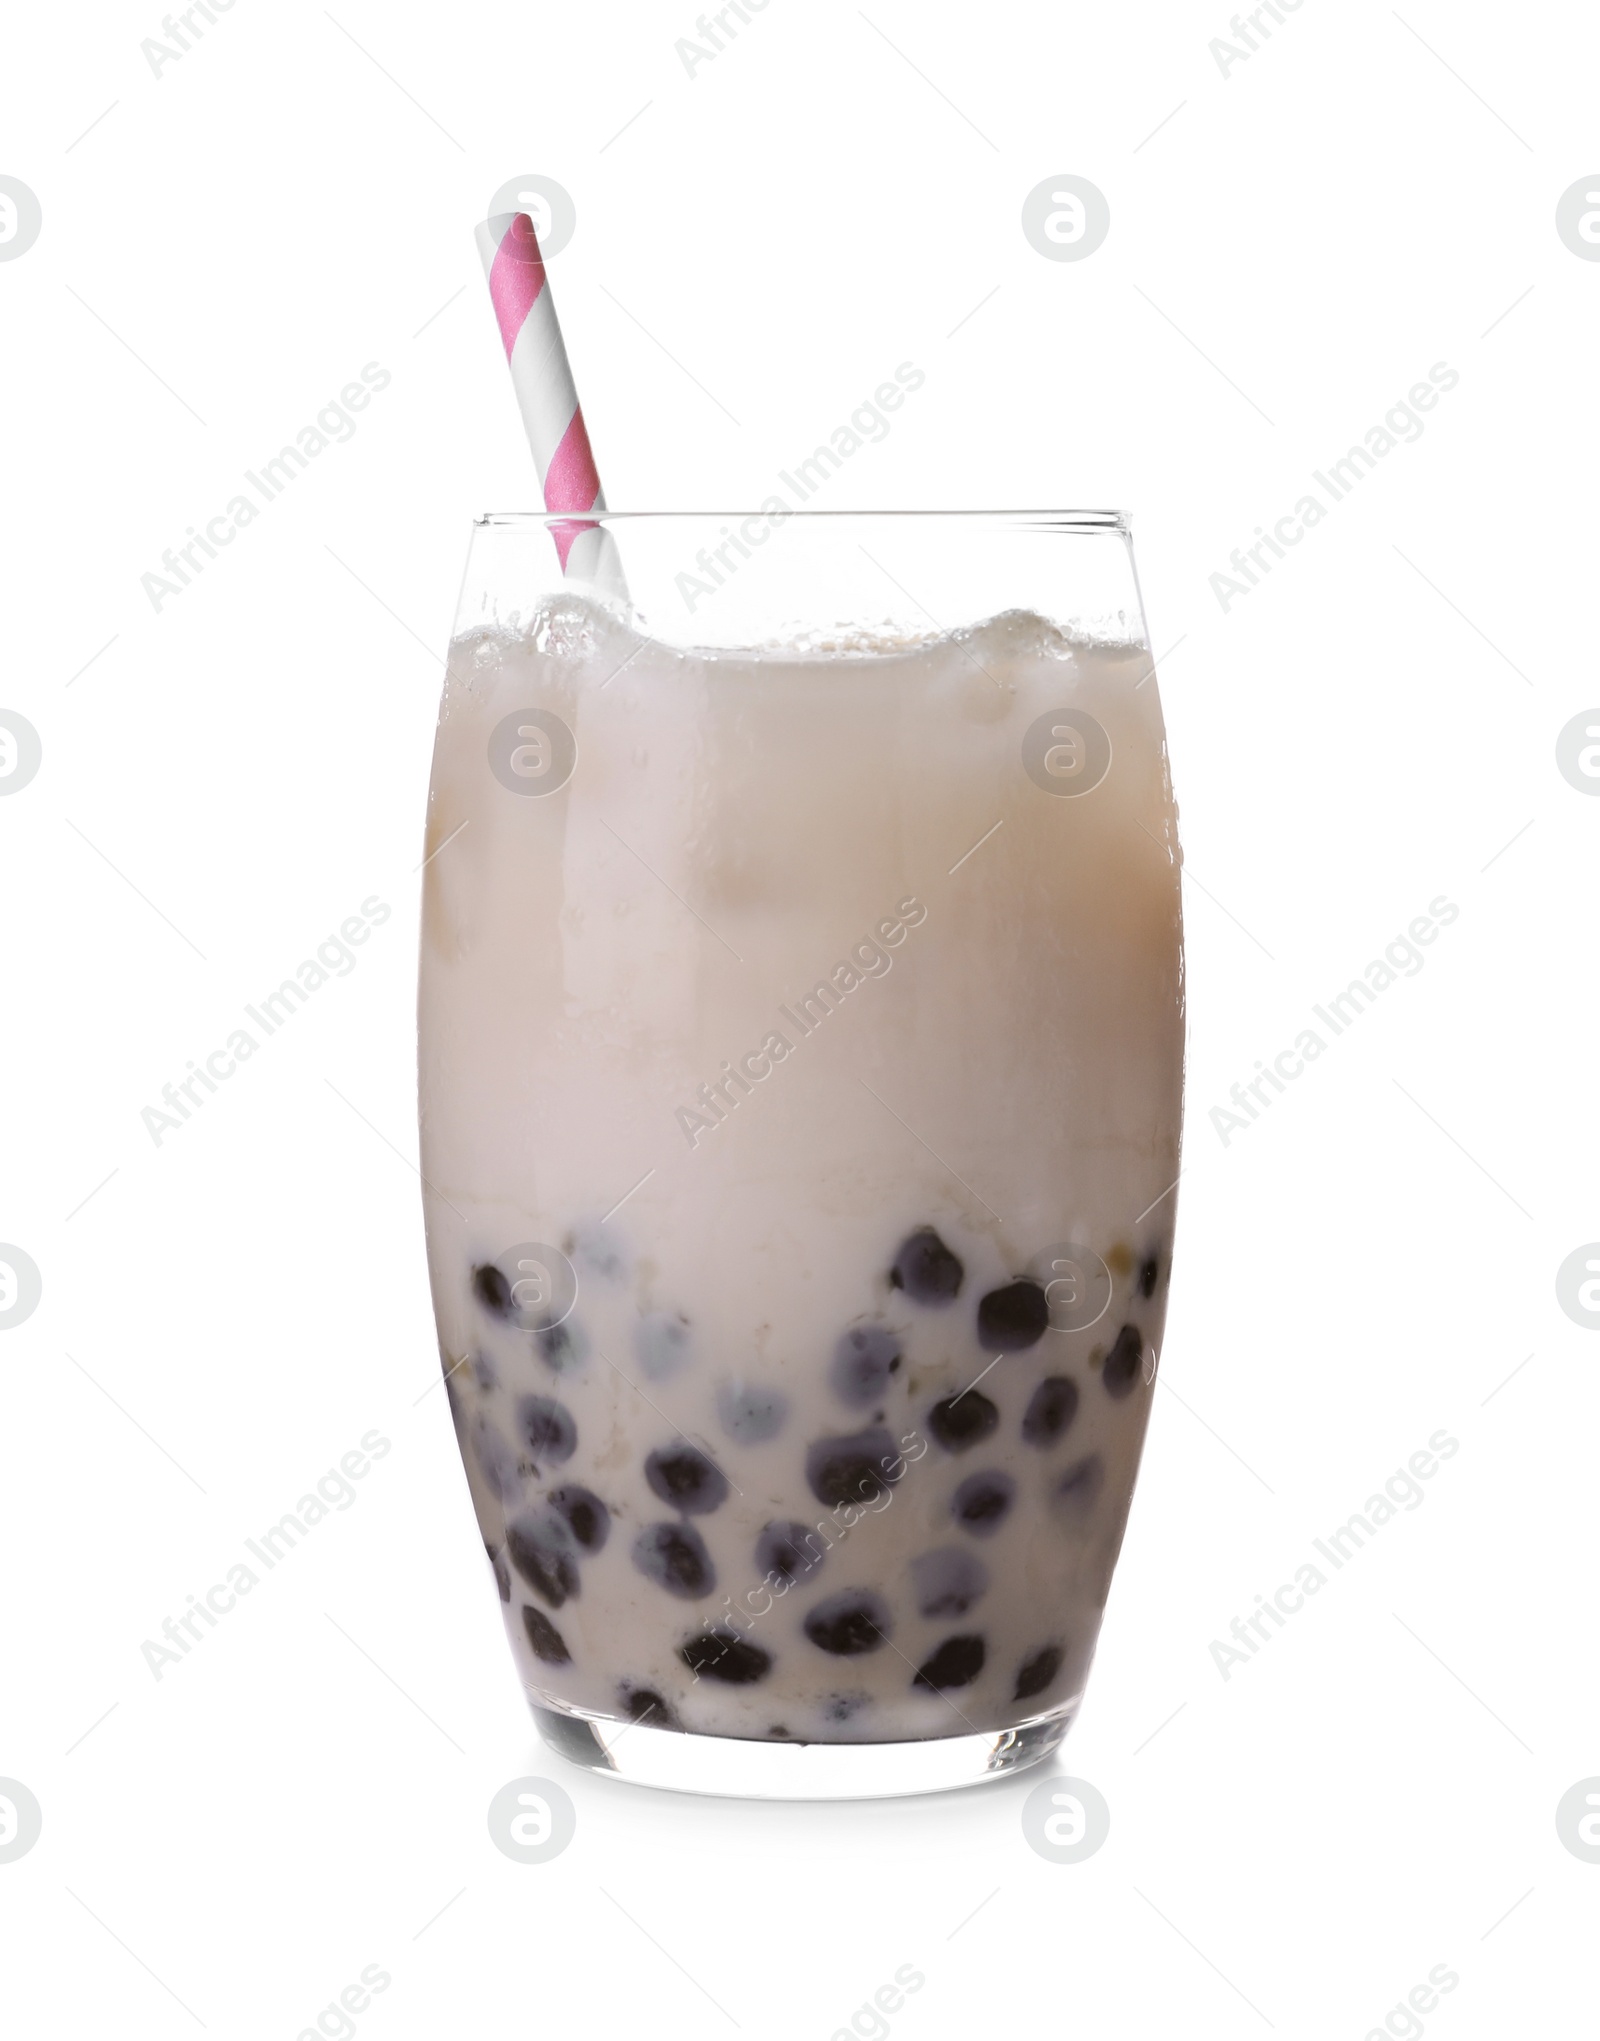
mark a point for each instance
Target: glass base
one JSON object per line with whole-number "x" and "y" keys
{"x": 743, "y": 1769}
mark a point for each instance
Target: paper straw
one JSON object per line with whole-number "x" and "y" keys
{"x": 548, "y": 399}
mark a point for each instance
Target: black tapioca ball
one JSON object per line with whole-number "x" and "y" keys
{"x": 547, "y": 1429}
{"x": 492, "y": 1290}
{"x": 855, "y": 1469}
{"x": 661, "y": 1345}
{"x": 674, "y": 1556}
{"x": 1013, "y": 1318}
{"x": 1037, "y": 1671}
{"x": 583, "y": 1513}
{"x": 844, "y": 1707}
{"x": 863, "y": 1362}
{"x": 597, "y": 1252}
{"x": 948, "y": 1581}
{"x": 956, "y": 1663}
{"x": 497, "y": 1462}
{"x": 983, "y": 1502}
{"x": 926, "y": 1269}
{"x": 562, "y": 1347}
{"x": 1051, "y": 1409}
{"x": 1145, "y": 1281}
{"x": 541, "y": 1551}
{"x": 645, "y": 1706}
{"x": 788, "y": 1549}
{"x": 722, "y": 1654}
{"x": 848, "y": 1624}
{"x": 1078, "y": 1489}
{"x": 963, "y": 1421}
{"x": 1122, "y": 1366}
{"x": 544, "y": 1638}
{"x": 749, "y": 1414}
{"x": 502, "y": 1572}
{"x": 684, "y": 1477}
{"x": 484, "y": 1371}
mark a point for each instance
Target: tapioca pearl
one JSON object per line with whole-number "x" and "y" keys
{"x": 855, "y": 1469}
{"x": 850, "y": 1623}
{"x": 547, "y": 1429}
{"x": 1013, "y": 1318}
{"x": 492, "y": 1290}
{"x": 1078, "y": 1489}
{"x": 497, "y": 1460}
{"x": 722, "y": 1654}
{"x": 749, "y": 1414}
{"x": 684, "y": 1477}
{"x": 544, "y": 1639}
{"x": 956, "y": 1663}
{"x": 583, "y": 1513}
{"x": 646, "y": 1707}
{"x": 562, "y": 1347}
{"x": 674, "y": 1556}
{"x": 541, "y": 1550}
{"x": 1145, "y": 1281}
{"x": 1122, "y": 1365}
{"x": 844, "y": 1707}
{"x": 502, "y": 1572}
{"x": 1037, "y": 1671}
{"x": 948, "y": 1581}
{"x": 661, "y": 1345}
{"x": 484, "y": 1371}
{"x": 963, "y": 1421}
{"x": 926, "y": 1269}
{"x": 983, "y": 1502}
{"x": 596, "y": 1250}
{"x": 863, "y": 1363}
{"x": 790, "y": 1550}
{"x": 1051, "y": 1409}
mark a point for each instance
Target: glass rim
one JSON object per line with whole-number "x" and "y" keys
{"x": 1037, "y": 520}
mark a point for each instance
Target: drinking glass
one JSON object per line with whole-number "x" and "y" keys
{"x": 801, "y": 1040}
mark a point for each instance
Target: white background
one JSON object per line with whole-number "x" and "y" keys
{"x": 1373, "y": 1794}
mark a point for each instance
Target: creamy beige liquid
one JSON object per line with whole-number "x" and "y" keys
{"x": 749, "y": 953}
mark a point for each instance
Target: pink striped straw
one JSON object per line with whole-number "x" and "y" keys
{"x": 548, "y": 399}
